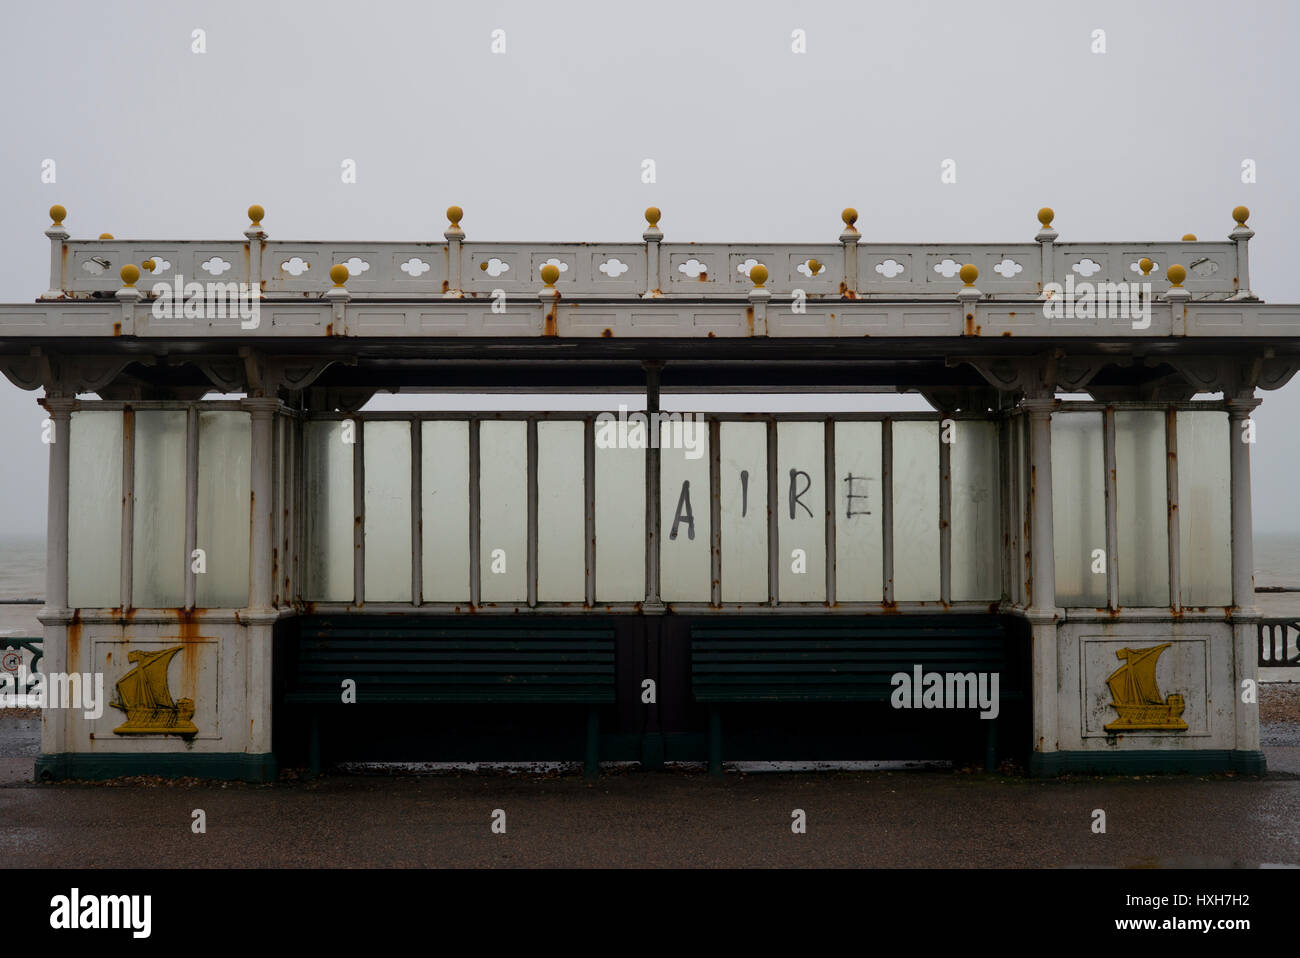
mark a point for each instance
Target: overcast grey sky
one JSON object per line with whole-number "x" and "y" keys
{"x": 751, "y": 141}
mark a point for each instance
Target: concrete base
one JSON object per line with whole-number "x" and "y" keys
{"x": 239, "y": 766}
{"x": 1146, "y": 761}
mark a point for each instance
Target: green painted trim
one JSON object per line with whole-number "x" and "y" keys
{"x": 240, "y": 766}
{"x": 1250, "y": 763}
{"x": 1195, "y": 761}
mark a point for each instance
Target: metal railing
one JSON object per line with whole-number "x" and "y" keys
{"x": 1278, "y": 643}
{"x": 14, "y": 649}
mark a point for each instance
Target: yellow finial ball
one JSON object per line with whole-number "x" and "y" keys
{"x": 1176, "y": 275}
{"x": 57, "y": 214}
{"x": 1045, "y": 216}
{"x": 1145, "y": 265}
{"x": 652, "y": 216}
{"x": 130, "y": 273}
{"x": 969, "y": 274}
{"x": 454, "y": 213}
{"x": 105, "y": 235}
{"x": 758, "y": 273}
{"x": 1189, "y": 237}
{"x": 550, "y": 273}
{"x": 850, "y": 216}
{"x": 339, "y": 273}
{"x": 1241, "y": 214}
{"x": 814, "y": 267}
{"x": 149, "y": 265}
{"x": 255, "y": 214}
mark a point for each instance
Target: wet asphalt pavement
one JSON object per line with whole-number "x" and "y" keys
{"x": 631, "y": 817}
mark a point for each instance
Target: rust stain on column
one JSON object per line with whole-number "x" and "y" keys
{"x": 187, "y": 623}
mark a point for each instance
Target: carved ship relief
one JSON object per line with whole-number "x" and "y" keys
{"x": 145, "y": 698}
{"x": 1137, "y": 696}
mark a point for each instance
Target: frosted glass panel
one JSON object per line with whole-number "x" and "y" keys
{"x": 503, "y": 503}
{"x": 620, "y": 513}
{"x": 225, "y": 456}
{"x": 916, "y": 511}
{"x": 1015, "y": 507}
{"x": 1142, "y": 507}
{"x": 327, "y": 470}
{"x": 801, "y": 511}
{"x": 561, "y": 509}
{"x": 686, "y": 540}
{"x": 444, "y": 481}
{"x": 387, "y": 452}
{"x": 1078, "y": 508}
{"x": 976, "y": 526}
{"x": 159, "y": 560}
{"x": 744, "y": 511}
{"x": 94, "y": 510}
{"x": 858, "y": 512}
{"x": 1204, "y": 508}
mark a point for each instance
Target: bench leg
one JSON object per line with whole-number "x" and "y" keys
{"x": 313, "y": 748}
{"x": 592, "y": 765}
{"x": 715, "y": 740}
{"x": 991, "y": 745}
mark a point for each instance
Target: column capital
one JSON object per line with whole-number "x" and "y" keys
{"x": 59, "y": 407}
{"x": 1240, "y": 407}
{"x": 261, "y": 407}
{"x": 1039, "y": 407}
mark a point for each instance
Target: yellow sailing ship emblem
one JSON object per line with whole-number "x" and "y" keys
{"x": 143, "y": 695}
{"x": 1137, "y": 697}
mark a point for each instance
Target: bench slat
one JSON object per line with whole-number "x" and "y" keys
{"x": 398, "y": 660}
{"x": 764, "y": 661}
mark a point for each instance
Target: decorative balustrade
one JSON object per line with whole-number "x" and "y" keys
{"x": 848, "y": 269}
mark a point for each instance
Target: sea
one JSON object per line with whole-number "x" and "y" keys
{"x": 22, "y": 567}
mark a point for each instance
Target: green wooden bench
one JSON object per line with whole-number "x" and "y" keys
{"x": 775, "y": 660}
{"x": 404, "y": 659}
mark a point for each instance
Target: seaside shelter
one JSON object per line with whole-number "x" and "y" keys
{"x": 1050, "y": 568}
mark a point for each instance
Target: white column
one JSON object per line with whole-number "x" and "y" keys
{"x": 260, "y": 616}
{"x": 455, "y": 236}
{"x": 57, "y": 236}
{"x": 652, "y": 236}
{"x": 850, "y": 239}
{"x": 1046, "y": 237}
{"x": 260, "y": 584}
{"x": 55, "y": 614}
{"x": 1245, "y": 616}
{"x": 1241, "y": 237}
{"x": 1042, "y": 613}
{"x": 256, "y": 237}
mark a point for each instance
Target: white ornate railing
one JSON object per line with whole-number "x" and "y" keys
{"x": 650, "y": 269}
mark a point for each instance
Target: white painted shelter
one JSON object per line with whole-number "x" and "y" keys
{"x": 1086, "y": 471}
